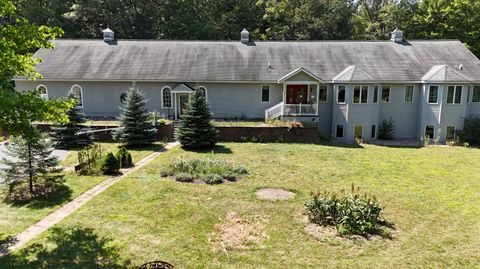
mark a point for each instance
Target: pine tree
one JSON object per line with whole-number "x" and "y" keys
{"x": 195, "y": 129}
{"x": 65, "y": 135}
{"x": 30, "y": 170}
{"x": 136, "y": 126}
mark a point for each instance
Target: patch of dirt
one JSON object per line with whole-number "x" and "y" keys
{"x": 274, "y": 194}
{"x": 237, "y": 233}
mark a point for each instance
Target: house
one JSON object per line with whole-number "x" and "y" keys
{"x": 347, "y": 88}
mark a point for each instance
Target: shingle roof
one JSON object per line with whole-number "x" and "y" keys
{"x": 203, "y": 61}
{"x": 353, "y": 73}
{"x": 445, "y": 73}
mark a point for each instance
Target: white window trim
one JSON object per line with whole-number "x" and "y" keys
{"x": 438, "y": 94}
{"x": 355, "y": 127}
{"x": 472, "y": 93}
{"x": 454, "y": 95}
{"x": 389, "y": 94}
{"x": 338, "y": 91}
{"x": 454, "y": 131}
{"x": 326, "y": 94}
{"x": 361, "y": 94}
{"x": 171, "y": 97}
{"x": 81, "y": 94}
{"x": 44, "y": 96}
{"x": 206, "y": 91}
{"x": 405, "y": 94}
{"x": 336, "y": 131}
{"x": 261, "y": 93}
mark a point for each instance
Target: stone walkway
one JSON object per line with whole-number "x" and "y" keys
{"x": 55, "y": 217}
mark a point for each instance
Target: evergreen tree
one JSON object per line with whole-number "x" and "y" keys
{"x": 195, "y": 129}
{"x": 65, "y": 135}
{"x": 136, "y": 126}
{"x": 30, "y": 170}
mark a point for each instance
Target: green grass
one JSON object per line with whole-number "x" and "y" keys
{"x": 430, "y": 194}
{"x": 16, "y": 218}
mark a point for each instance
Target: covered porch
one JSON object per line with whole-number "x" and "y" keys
{"x": 300, "y": 95}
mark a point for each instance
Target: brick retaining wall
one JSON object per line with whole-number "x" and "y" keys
{"x": 226, "y": 133}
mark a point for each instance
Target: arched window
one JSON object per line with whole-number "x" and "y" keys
{"x": 166, "y": 97}
{"x": 204, "y": 91}
{"x": 78, "y": 94}
{"x": 123, "y": 98}
{"x": 42, "y": 89}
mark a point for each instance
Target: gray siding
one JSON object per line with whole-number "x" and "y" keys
{"x": 226, "y": 100}
{"x": 404, "y": 115}
{"x": 452, "y": 114}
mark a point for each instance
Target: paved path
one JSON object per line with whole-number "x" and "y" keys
{"x": 55, "y": 217}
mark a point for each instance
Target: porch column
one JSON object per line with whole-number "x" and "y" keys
{"x": 175, "y": 104}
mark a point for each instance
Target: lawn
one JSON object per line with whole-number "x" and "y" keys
{"x": 16, "y": 218}
{"x": 430, "y": 194}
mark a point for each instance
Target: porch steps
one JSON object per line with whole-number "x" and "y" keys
{"x": 175, "y": 130}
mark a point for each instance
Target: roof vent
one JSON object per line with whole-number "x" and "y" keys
{"x": 108, "y": 35}
{"x": 244, "y": 36}
{"x": 397, "y": 36}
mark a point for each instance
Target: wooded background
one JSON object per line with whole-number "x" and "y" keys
{"x": 265, "y": 19}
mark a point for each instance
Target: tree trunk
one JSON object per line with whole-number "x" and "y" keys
{"x": 30, "y": 172}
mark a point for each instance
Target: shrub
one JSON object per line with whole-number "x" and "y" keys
{"x": 90, "y": 160}
{"x": 124, "y": 158}
{"x": 471, "y": 131}
{"x": 350, "y": 214}
{"x": 386, "y": 129}
{"x": 213, "y": 171}
{"x": 184, "y": 177}
{"x": 110, "y": 165}
{"x": 212, "y": 179}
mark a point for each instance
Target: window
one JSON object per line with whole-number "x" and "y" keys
{"x": 454, "y": 95}
{"x": 265, "y": 93}
{"x": 322, "y": 92}
{"x": 375, "y": 94}
{"x": 123, "y": 98}
{"x": 450, "y": 132}
{"x": 360, "y": 94}
{"x": 341, "y": 95}
{"x": 409, "y": 94}
{"x": 42, "y": 89}
{"x": 339, "y": 131}
{"x": 204, "y": 91}
{"x": 429, "y": 131}
{"x": 476, "y": 94}
{"x": 166, "y": 97}
{"x": 385, "y": 94}
{"x": 77, "y": 93}
{"x": 433, "y": 95}
{"x": 374, "y": 131}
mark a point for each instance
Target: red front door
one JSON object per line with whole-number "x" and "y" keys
{"x": 297, "y": 94}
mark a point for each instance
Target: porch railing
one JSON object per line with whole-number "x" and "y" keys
{"x": 282, "y": 109}
{"x": 274, "y": 112}
{"x": 301, "y": 109}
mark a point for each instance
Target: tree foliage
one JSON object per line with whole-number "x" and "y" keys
{"x": 66, "y": 135}
{"x": 136, "y": 126}
{"x": 265, "y": 19}
{"x": 196, "y": 130}
{"x": 30, "y": 169}
{"x": 19, "y": 40}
